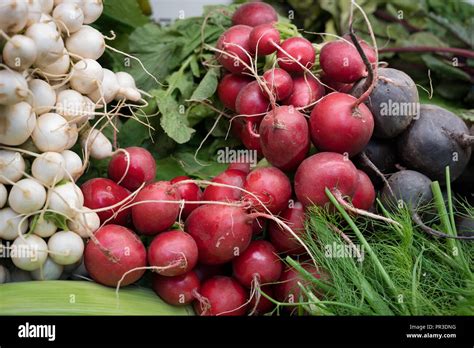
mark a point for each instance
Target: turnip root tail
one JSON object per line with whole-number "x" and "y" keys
{"x": 417, "y": 219}
{"x": 366, "y": 160}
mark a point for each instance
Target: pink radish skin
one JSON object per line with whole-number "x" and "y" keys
{"x": 188, "y": 192}
{"x": 225, "y": 295}
{"x": 254, "y": 13}
{"x": 119, "y": 250}
{"x": 298, "y": 49}
{"x": 243, "y": 167}
{"x": 229, "y": 41}
{"x": 179, "y": 290}
{"x": 364, "y": 195}
{"x": 225, "y": 194}
{"x": 100, "y": 193}
{"x": 259, "y": 262}
{"x": 258, "y": 226}
{"x": 221, "y": 232}
{"x": 306, "y": 90}
{"x": 142, "y": 168}
{"x": 264, "y": 305}
{"x": 152, "y": 218}
{"x": 284, "y": 137}
{"x": 229, "y": 87}
{"x": 263, "y": 39}
{"x": 324, "y": 169}
{"x": 271, "y": 186}
{"x": 173, "y": 248}
{"x": 279, "y": 82}
{"x": 287, "y": 289}
{"x": 252, "y": 101}
{"x": 334, "y": 85}
{"x": 240, "y": 130}
{"x": 208, "y": 271}
{"x": 341, "y": 62}
{"x": 283, "y": 240}
{"x": 337, "y": 127}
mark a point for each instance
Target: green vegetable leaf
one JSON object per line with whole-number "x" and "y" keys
{"x": 444, "y": 69}
{"x": 173, "y": 122}
{"x": 127, "y": 12}
{"x": 208, "y": 85}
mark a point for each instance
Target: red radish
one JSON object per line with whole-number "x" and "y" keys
{"x": 208, "y": 271}
{"x": 258, "y": 226}
{"x": 252, "y": 101}
{"x": 271, "y": 186}
{"x": 279, "y": 82}
{"x": 364, "y": 195}
{"x": 229, "y": 87}
{"x": 287, "y": 289}
{"x": 324, "y": 170}
{"x": 254, "y": 13}
{"x": 153, "y": 217}
{"x": 221, "y": 232}
{"x": 263, "y": 39}
{"x": 368, "y": 50}
{"x": 188, "y": 192}
{"x": 224, "y": 295}
{"x": 142, "y": 167}
{"x": 337, "y": 126}
{"x": 284, "y": 137}
{"x": 306, "y": 90}
{"x": 101, "y": 193}
{"x": 341, "y": 62}
{"x": 299, "y": 49}
{"x": 228, "y": 177}
{"x": 179, "y": 290}
{"x": 264, "y": 304}
{"x": 174, "y": 252}
{"x": 335, "y": 86}
{"x": 243, "y": 167}
{"x": 258, "y": 263}
{"x": 250, "y": 141}
{"x": 235, "y": 43}
{"x": 118, "y": 251}
{"x": 283, "y": 240}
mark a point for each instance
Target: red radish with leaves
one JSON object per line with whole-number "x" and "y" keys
{"x": 132, "y": 167}
{"x": 284, "y": 241}
{"x": 293, "y": 51}
{"x": 339, "y": 123}
{"x": 115, "y": 251}
{"x": 271, "y": 186}
{"x": 284, "y": 137}
{"x": 258, "y": 264}
{"x": 229, "y": 87}
{"x": 364, "y": 195}
{"x": 221, "y": 232}
{"x": 173, "y": 252}
{"x": 179, "y": 290}
{"x": 101, "y": 193}
{"x": 324, "y": 170}
{"x": 221, "y": 296}
{"x": 279, "y": 82}
{"x": 153, "y": 217}
{"x": 189, "y": 192}
{"x": 234, "y": 43}
{"x": 306, "y": 91}
{"x": 264, "y": 305}
{"x": 254, "y": 13}
{"x": 226, "y": 194}
{"x": 263, "y": 39}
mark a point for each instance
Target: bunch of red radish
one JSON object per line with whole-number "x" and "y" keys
{"x": 211, "y": 259}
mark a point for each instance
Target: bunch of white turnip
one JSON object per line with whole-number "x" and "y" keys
{"x": 52, "y": 93}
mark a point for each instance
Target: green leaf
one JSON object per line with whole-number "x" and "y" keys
{"x": 201, "y": 169}
{"x": 198, "y": 112}
{"x": 172, "y": 121}
{"x": 127, "y": 12}
{"x": 444, "y": 69}
{"x": 207, "y": 87}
